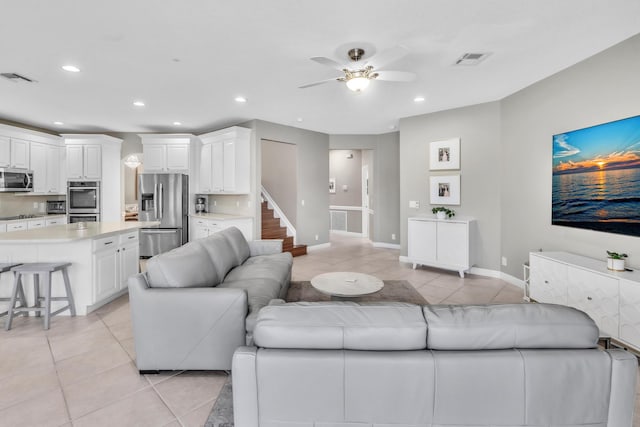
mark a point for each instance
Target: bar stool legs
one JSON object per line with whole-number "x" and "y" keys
{"x": 37, "y": 269}
{"x": 4, "y": 267}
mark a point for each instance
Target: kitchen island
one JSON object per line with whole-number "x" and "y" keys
{"x": 103, "y": 256}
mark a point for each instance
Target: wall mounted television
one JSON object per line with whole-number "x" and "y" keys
{"x": 596, "y": 177}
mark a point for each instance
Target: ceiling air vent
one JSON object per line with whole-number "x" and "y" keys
{"x": 471, "y": 58}
{"x": 15, "y": 77}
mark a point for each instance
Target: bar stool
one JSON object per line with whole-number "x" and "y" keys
{"x": 4, "y": 267}
{"x": 37, "y": 269}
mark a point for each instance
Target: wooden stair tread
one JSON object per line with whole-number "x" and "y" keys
{"x": 271, "y": 229}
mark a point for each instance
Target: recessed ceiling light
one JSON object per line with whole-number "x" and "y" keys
{"x": 138, "y": 103}
{"x": 392, "y": 127}
{"x": 58, "y": 123}
{"x": 241, "y": 99}
{"x": 177, "y": 123}
{"x": 71, "y": 68}
{"x": 299, "y": 119}
{"x": 418, "y": 99}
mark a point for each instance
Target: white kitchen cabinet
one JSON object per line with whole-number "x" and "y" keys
{"x": 610, "y": 298}
{"x": 3, "y": 228}
{"x": 106, "y": 260}
{"x": 84, "y": 161}
{"x": 5, "y": 152}
{"x": 39, "y": 167}
{"x": 129, "y": 257}
{"x": 19, "y": 154}
{"x": 447, "y": 243}
{"x": 36, "y": 223}
{"x": 55, "y": 221}
{"x": 17, "y": 226}
{"x": 166, "y": 153}
{"x": 97, "y": 157}
{"x": 54, "y": 183}
{"x": 202, "y": 227}
{"x": 225, "y": 166}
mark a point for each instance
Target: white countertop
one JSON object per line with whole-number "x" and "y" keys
{"x": 43, "y": 216}
{"x": 219, "y": 216}
{"x": 70, "y": 233}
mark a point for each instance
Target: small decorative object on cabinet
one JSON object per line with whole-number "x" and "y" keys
{"x": 447, "y": 244}
{"x": 443, "y": 213}
{"x": 615, "y": 261}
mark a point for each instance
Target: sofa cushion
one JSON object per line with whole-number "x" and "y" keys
{"x": 341, "y": 325}
{"x": 276, "y": 270}
{"x": 260, "y": 291}
{"x": 238, "y": 243}
{"x": 188, "y": 266}
{"x": 221, "y": 253}
{"x": 503, "y": 326}
{"x": 284, "y": 258}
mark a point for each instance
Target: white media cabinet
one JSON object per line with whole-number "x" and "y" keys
{"x": 611, "y": 298}
{"x": 442, "y": 243}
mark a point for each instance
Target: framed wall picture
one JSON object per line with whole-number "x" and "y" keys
{"x": 445, "y": 154}
{"x": 445, "y": 189}
{"x": 332, "y": 185}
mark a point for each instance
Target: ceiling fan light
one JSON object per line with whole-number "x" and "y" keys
{"x": 358, "y": 84}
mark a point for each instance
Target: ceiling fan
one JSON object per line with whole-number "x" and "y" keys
{"x": 359, "y": 73}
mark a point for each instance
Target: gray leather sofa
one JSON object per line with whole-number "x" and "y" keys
{"x": 196, "y": 304}
{"x": 348, "y": 365}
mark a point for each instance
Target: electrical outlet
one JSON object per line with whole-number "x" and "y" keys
{"x": 317, "y": 237}
{"x": 248, "y": 203}
{"x": 393, "y": 237}
{"x": 237, "y": 203}
{"x": 504, "y": 261}
{"x": 35, "y": 205}
{"x": 215, "y": 203}
{"x": 414, "y": 204}
{"x": 302, "y": 203}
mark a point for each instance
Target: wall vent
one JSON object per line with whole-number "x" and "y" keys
{"x": 15, "y": 77}
{"x": 338, "y": 220}
{"x": 471, "y": 58}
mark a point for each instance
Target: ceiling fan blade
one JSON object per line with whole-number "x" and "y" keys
{"x": 321, "y": 82}
{"x": 396, "y": 76}
{"x": 328, "y": 62}
{"x": 388, "y": 56}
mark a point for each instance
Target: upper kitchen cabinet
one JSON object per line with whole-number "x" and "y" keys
{"x": 225, "y": 161}
{"x": 38, "y": 151}
{"x": 14, "y": 152}
{"x": 96, "y": 157}
{"x": 166, "y": 153}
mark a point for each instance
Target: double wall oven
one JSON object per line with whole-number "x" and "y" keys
{"x": 83, "y": 201}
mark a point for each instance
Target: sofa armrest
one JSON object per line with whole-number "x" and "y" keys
{"x": 245, "y": 387}
{"x": 265, "y": 247}
{"x": 186, "y": 328}
{"x": 624, "y": 366}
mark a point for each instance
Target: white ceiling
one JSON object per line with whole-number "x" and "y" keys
{"x": 189, "y": 59}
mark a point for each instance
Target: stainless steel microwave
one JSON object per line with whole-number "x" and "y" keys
{"x": 15, "y": 180}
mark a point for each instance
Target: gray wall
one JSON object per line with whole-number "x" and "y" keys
{"x": 385, "y": 180}
{"x": 312, "y": 218}
{"x": 602, "y": 88}
{"x": 279, "y": 175}
{"x": 478, "y": 128}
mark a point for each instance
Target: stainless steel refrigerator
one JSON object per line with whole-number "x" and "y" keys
{"x": 163, "y": 197}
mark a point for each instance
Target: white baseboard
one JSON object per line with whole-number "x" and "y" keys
{"x": 484, "y": 272}
{"x": 320, "y": 246}
{"x": 385, "y": 245}
{"x": 346, "y": 233}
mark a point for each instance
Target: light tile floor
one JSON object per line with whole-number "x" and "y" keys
{"x": 82, "y": 371}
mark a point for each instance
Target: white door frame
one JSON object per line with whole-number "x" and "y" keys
{"x": 365, "y": 201}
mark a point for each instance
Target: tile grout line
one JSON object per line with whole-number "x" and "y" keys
{"x": 64, "y": 396}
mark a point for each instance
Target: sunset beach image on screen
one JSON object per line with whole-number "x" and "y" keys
{"x": 596, "y": 177}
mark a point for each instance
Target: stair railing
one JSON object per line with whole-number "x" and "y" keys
{"x": 277, "y": 213}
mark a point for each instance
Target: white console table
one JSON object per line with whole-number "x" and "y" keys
{"x": 442, "y": 243}
{"x": 611, "y": 298}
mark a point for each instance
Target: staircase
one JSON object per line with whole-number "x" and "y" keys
{"x": 271, "y": 229}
